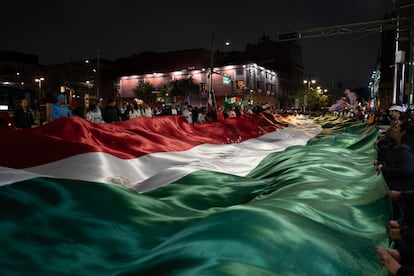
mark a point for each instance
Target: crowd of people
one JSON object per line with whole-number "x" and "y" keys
{"x": 395, "y": 161}
{"x": 113, "y": 112}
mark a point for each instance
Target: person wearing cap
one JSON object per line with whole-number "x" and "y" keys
{"x": 396, "y": 108}
{"x": 60, "y": 108}
{"x": 385, "y": 142}
{"x": 395, "y": 111}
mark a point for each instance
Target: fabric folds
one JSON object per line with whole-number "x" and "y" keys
{"x": 314, "y": 209}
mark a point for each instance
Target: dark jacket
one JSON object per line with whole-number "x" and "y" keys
{"x": 22, "y": 119}
{"x": 407, "y": 221}
{"x": 111, "y": 114}
{"x": 407, "y": 261}
{"x": 398, "y": 169}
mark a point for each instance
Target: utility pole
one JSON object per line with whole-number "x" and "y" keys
{"x": 403, "y": 33}
{"x": 411, "y": 59}
{"x": 410, "y": 64}
{"x": 397, "y": 60}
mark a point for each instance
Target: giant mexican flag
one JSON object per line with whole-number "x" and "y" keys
{"x": 255, "y": 195}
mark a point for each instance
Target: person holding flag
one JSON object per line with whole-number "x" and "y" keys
{"x": 60, "y": 109}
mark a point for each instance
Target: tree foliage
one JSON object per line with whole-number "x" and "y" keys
{"x": 183, "y": 88}
{"x": 144, "y": 91}
{"x": 317, "y": 99}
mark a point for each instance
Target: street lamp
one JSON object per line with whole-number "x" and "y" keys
{"x": 39, "y": 80}
{"x": 305, "y": 97}
{"x": 309, "y": 82}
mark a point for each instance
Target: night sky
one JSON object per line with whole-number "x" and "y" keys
{"x": 59, "y": 30}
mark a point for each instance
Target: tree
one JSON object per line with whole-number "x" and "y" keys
{"x": 144, "y": 90}
{"x": 317, "y": 99}
{"x": 183, "y": 88}
{"x": 313, "y": 99}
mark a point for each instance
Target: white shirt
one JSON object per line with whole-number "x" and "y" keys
{"x": 135, "y": 113}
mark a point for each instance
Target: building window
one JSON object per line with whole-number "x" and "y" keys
{"x": 203, "y": 86}
{"x": 240, "y": 71}
{"x": 260, "y": 85}
{"x": 269, "y": 89}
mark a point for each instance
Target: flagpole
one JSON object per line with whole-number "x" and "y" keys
{"x": 98, "y": 76}
{"x": 211, "y": 92}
